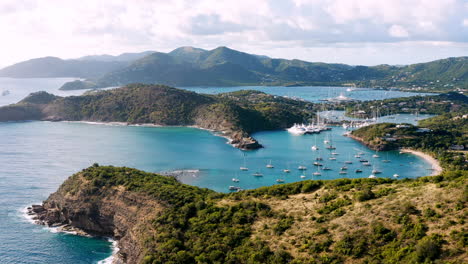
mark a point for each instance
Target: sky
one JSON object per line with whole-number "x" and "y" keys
{"x": 357, "y": 32}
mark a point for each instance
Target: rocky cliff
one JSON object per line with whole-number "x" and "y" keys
{"x": 159, "y": 220}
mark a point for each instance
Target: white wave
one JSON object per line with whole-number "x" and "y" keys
{"x": 24, "y": 213}
{"x": 110, "y": 259}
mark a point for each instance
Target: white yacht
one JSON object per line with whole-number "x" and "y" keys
{"x": 297, "y": 129}
{"x": 235, "y": 180}
{"x": 279, "y": 180}
{"x": 302, "y": 168}
{"x": 286, "y": 171}
{"x": 257, "y": 174}
{"x": 317, "y": 173}
{"x": 303, "y": 176}
{"x": 372, "y": 176}
{"x": 396, "y": 175}
{"x": 314, "y": 147}
{"x": 269, "y": 165}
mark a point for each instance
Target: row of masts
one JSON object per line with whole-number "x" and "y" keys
{"x": 320, "y": 167}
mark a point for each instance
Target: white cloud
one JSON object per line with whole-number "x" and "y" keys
{"x": 398, "y": 31}
{"x": 67, "y": 28}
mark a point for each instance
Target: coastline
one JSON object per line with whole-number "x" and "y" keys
{"x": 223, "y": 134}
{"x": 32, "y": 217}
{"x": 436, "y": 168}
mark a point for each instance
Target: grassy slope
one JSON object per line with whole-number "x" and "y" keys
{"x": 351, "y": 221}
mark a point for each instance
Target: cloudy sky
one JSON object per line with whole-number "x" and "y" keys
{"x": 366, "y": 32}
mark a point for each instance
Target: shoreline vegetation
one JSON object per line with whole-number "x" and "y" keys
{"x": 236, "y": 115}
{"x": 334, "y": 221}
{"x": 156, "y": 219}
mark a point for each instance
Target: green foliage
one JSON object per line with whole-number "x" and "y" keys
{"x": 283, "y": 224}
{"x": 428, "y": 248}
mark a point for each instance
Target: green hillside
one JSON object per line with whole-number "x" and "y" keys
{"x": 222, "y": 66}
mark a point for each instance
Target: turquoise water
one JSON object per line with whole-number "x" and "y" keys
{"x": 310, "y": 93}
{"x": 36, "y": 157}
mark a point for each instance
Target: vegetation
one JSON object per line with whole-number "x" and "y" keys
{"x": 187, "y": 66}
{"x": 435, "y": 104}
{"x": 226, "y": 67}
{"x": 441, "y": 136}
{"x": 236, "y": 114}
{"x": 388, "y": 221}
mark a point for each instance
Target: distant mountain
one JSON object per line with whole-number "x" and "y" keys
{"x": 90, "y": 67}
{"x": 188, "y": 66}
{"x": 122, "y": 57}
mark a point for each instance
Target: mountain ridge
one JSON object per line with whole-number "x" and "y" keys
{"x": 222, "y": 66}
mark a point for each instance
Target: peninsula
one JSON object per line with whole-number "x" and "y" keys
{"x": 235, "y": 115}
{"x": 156, "y": 219}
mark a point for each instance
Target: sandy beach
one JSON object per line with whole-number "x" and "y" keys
{"x": 436, "y": 168}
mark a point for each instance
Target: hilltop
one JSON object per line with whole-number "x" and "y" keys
{"x": 156, "y": 219}
{"x": 236, "y": 115}
{"x": 222, "y": 66}
{"x": 227, "y": 67}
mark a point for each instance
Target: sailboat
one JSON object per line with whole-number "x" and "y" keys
{"x": 315, "y": 147}
{"x": 303, "y": 176}
{"x": 376, "y": 155}
{"x": 301, "y": 167}
{"x": 235, "y": 180}
{"x": 376, "y": 171}
{"x": 269, "y": 165}
{"x": 386, "y": 160}
{"x": 317, "y": 173}
{"x": 372, "y": 176}
{"x": 396, "y": 175}
{"x": 244, "y": 168}
{"x": 257, "y": 174}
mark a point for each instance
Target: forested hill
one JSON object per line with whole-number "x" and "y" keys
{"x": 236, "y": 114}
{"x": 189, "y": 66}
{"x": 159, "y": 220}
{"x": 226, "y": 67}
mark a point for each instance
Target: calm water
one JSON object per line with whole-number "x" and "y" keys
{"x": 37, "y": 157}
{"x": 20, "y": 88}
{"x": 312, "y": 94}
